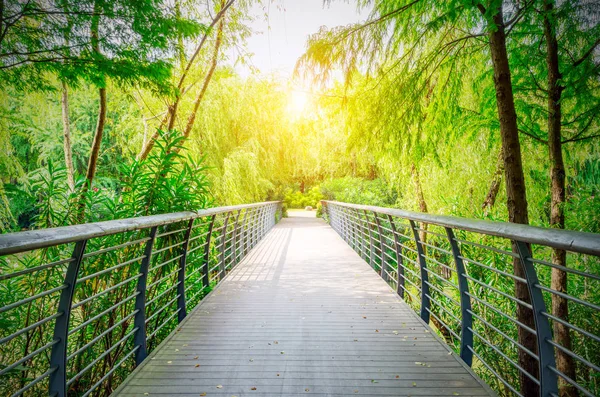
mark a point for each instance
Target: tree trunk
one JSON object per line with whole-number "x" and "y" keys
{"x": 560, "y": 308}
{"x": 67, "y": 137}
{"x": 96, "y": 143}
{"x": 213, "y": 66}
{"x": 515, "y": 188}
{"x": 490, "y": 198}
{"x": 171, "y": 116}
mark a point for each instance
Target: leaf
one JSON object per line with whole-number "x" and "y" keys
{"x": 219, "y": 386}
{"x": 253, "y": 388}
{"x": 203, "y": 393}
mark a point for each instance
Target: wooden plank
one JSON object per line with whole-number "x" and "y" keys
{"x": 302, "y": 314}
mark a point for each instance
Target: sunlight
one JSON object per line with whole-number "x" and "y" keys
{"x": 298, "y": 101}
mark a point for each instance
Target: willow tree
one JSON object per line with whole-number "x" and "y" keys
{"x": 419, "y": 42}
{"x": 90, "y": 41}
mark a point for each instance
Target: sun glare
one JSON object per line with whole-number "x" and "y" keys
{"x": 297, "y": 103}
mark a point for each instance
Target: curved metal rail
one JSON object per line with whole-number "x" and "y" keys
{"x": 456, "y": 273}
{"x": 85, "y": 304}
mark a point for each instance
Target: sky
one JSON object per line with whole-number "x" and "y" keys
{"x": 291, "y": 22}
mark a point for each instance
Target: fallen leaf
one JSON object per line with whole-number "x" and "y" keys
{"x": 197, "y": 365}
{"x": 203, "y": 393}
{"x": 374, "y": 381}
{"x": 414, "y": 384}
{"x": 169, "y": 362}
{"x": 282, "y": 352}
{"x": 397, "y": 376}
{"x": 355, "y": 391}
{"x": 219, "y": 386}
{"x": 306, "y": 390}
{"x": 395, "y": 332}
{"x": 277, "y": 374}
{"x": 195, "y": 358}
{"x": 253, "y": 388}
{"x": 146, "y": 394}
{"x": 456, "y": 394}
{"x": 376, "y": 330}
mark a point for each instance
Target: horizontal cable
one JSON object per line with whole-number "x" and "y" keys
{"x": 432, "y": 233}
{"x": 158, "y": 251}
{"x": 163, "y": 324}
{"x": 157, "y": 312}
{"x": 504, "y": 294}
{"x": 83, "y": 302}
{"x": 28, "y": 357}
{"x": 101, "y": 356}
{"x": 437, "y": 276}
{"x": 439, "y": 291}
{"x": 574, "y": 355}
{"x": 570, "y": 381}
{"x": 435, "y": 247}
{"x": 14, "y": 305}
{"x": 444, "y": 308}
{"x": 501, "y": 379}
{"x": 443, "y": 323}
{"x": 110, "y": 269}
{"x": 573, "y": 327}
{"x": 565, "y": 269}
{"x": 569, "y": 297}
{"x": 34, "y": 382}
{"x": 30, "y": 327}
{"x": 34, "y": 269}
{"x": 501, "y": 313}
{"x": 97, "y": 338}
{"x": 165, "y": 263}
{"x": 151, "y": 301}
{"x": 514, "y": 342}
{"x": 160, "y": 280}
{"x": 516, "y": 278}
{"x": 116, "y": 247}
{"x": 171, "y": 232}
{"x": 109, "y": 373}
{"x": 98, "y": 316}
{"x": 428, "y": 258}
{"x": 487, "y": 247}
{"x": 500, "y": 352}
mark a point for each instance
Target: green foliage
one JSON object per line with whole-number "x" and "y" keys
{"x": 359, "y": 191}
{"x": 297, "y": 199}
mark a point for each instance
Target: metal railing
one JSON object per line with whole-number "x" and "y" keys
{"x": 487, "y": 288}
{"x": 85, "y": 304}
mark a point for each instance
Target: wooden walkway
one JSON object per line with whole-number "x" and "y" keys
{"x": 302, "y": 315}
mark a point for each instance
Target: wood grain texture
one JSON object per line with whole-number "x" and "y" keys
{"x": 302, "y": 314}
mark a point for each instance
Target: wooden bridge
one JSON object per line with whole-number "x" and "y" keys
{"x": 238, "y": 301}
{"x": 303, "y": 314}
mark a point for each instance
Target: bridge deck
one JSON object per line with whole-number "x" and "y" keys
{"x": 302, "y": 315}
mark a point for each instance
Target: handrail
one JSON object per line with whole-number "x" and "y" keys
{"x": 458, "y": 275}
{"x": 89, "y": 296}
{"x": 12, "y": 243}
{"x": 569, "y": 240}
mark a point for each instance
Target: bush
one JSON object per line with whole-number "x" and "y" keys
{"x": 359, "y": 191}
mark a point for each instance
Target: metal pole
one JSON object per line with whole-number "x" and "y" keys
{"x": 382, "y": 251}
{"x": 139, "y": 319}
{"x": 399, "y": 260}
{"x": 205, "y": 278}
{"x": 223, "y": 238}
{"x": 425, "y": 303}
{"x": 58, "y": 356}
{"x": 466, "y": 322}
{"x": 181, "y": 274}
{"x": 371, "y": 249}
{"x": 548, "y": 378}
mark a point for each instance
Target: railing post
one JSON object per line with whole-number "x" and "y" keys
{"x": 399, "y": 259}
{"x": 58, "y": 356}
{"x": 223, "y": 241}
{"x": 234, "y": 239}
{"x": 205, "y": 278}
{"x": 466, "y": 322}
{"x": 139, "y": 319}
{"x": 382, "y": 251}
{"x": 548, "y": 379}
{"x": 362, "y": 235}
{"x": 425, "y": 302}
{"x": 371, "y": 245}
{"x": 181, "y": 274}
